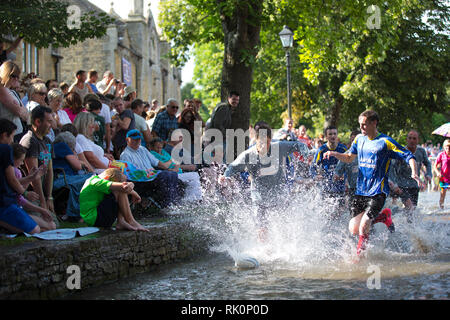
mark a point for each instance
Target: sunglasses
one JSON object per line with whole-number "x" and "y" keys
{"x": 174, "y": 107}
{"x": 14, "y": 76}
{"x": 135, "y": 136}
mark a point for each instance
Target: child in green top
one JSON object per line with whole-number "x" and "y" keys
{"x": 104, "y": 198}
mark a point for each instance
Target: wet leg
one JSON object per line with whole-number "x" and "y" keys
{"x": 442, "y": 198}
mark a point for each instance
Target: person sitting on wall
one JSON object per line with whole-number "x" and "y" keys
{"x": 165, "y": 185}
{"x": 192, "y": 179}
{"x": 74, "y": 173}
{"x": 104, "y": 199}
{"x": 12, "y": 217}
{"x": 40, "y": 153}
{"x": 43, "y": 217}
{"x": 95, "y": 155}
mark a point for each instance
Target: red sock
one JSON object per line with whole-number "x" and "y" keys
{"x": 382, "y": 216}
{"x": 363, "y": 239}
{"x": 385, "y": 216}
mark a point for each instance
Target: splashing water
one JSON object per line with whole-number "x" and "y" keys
{"x": 309, "y": 234}
{"x": 306, "y": 255}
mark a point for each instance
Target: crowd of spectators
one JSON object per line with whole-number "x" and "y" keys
{"x": 69, "y": 136}
{"x": 59, "y": 136}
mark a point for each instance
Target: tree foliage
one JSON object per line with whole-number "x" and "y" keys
{"x": 340, "y": 66}
{"x": 207, "y": 72}
{"x": 409, "y": 85}
{"x": 45, "y": 22}
{"x": 186, "y": 91}
{"x": 189, "y": 22}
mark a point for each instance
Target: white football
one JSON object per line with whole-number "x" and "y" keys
{"x": 246, "y": 262}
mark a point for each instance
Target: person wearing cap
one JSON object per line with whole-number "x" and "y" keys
{"x": 128, "y": 96}
{"x": 165, "y": 185}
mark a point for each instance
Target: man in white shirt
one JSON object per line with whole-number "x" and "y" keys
{"x": 155, "y": 105}
{"x": 138, "y": 155}
{"x": 107, "y": 84}
{"x": 165, "y": 185}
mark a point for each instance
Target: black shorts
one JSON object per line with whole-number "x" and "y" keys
{"x": 373, "y": 204}
{"x": 410, "y": 193}
{"x": 107, "y": 212}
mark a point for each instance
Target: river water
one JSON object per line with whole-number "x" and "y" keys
{"x": 307, "y": 255}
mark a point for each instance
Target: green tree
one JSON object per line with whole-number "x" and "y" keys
{"x": 45, "y": 22}
{"x": 236, "y": 23}
{"x": 186, "y": 91}
{"x": 207, "y": 73}
{"x": 355, "y": 67}
{"x": 410, "y": 86}
{"x": 343, "y": 65}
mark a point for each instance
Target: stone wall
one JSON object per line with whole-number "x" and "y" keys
{"x": 90, "y": 54}
{"x": 38, "y": 270}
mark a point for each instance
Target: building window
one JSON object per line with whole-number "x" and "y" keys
{"x": 24, "y": 57}
{"x": 36, "y": 60}
{"x": 29, "y": 61}
{"x": 30, "y": 58}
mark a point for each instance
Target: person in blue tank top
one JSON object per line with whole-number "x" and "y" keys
{"x": 322, "y": 169}
{"x": 374, "y": 151}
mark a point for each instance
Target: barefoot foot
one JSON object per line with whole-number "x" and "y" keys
{"x": 123, "y": 225}
{"x": 138, "y": 226}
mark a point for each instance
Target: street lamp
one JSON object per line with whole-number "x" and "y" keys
{"x": 287, "y": 40}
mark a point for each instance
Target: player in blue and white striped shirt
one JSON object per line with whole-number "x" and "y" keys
{"x": 375, "y": 151}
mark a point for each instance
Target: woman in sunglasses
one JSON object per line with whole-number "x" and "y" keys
{"x": 9, "y": 78}
{"x": 37, "y": 94}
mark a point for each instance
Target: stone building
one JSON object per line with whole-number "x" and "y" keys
{"x": 131, "y": 48}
